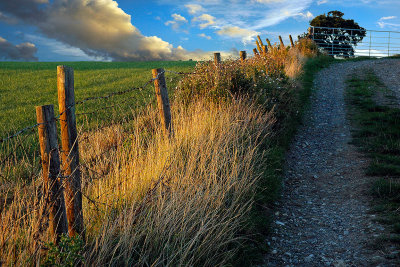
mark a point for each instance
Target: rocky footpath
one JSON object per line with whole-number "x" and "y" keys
{"x": 325, "y": 217}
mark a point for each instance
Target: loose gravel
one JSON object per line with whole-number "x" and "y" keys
{"x": 325, "y": 217}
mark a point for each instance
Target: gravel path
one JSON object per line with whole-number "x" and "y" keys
{"x": 324, "y": 217}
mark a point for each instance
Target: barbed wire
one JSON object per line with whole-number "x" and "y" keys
{"x": 140, "y": 89}
{"x": 180, "y": 73}
{"x": 20, "y": 132}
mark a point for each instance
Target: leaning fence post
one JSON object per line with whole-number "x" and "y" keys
{"x": 259, "y": 47}
{"x": 291, "y": 40}
{"x": 70, "y": 151}
{"x": 242, "y": 55}
{"x": 255, "y": 52}
{"x": 163, "y": 100}
{"x": 280, "y": 40}
{"x": 269, "y": 43}
{"x": 51, "y": 169}
{"x": 260, "y": 41}
{"x": 217, "y": 58}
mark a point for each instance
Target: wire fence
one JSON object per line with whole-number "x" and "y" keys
{"x": 30, "y": 130}
{"x": 356, "y": 42}
{"x": 22, "y": 137}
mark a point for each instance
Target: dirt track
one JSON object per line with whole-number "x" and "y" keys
{"x": 324, "y": 217}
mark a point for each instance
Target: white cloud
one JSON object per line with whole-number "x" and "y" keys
{"x": 246, "y": 35}
{"x": 99, "y": 28}
{"x": 205, "y": 20}
{"x": 388, "y": 18}
{"x": 194, "y": 8}
{"x": 308, "y": 15}
{"x": 178, "y": 20}
{"x": 322, "y": 2}
{"x": 388, "y": 25}
{"x": 205, "y": 36}
{"x": 393, "y": 25}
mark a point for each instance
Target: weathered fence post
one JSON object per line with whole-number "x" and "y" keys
{"x": 280, "y": 40}
{"x": 260, "y": 41}
{"x": 51, "y": 169}
{"x": 70, "y": 152}
{"x": 255, "y": 52}
{"x": 265, "y": 49}
{"x": 242, "y": 55}
{"x": 163, "y": 100}
{"x": 269, "y": 43}
{"x": 259, "y": 47}
{"x": 217, "y": 58}
{"x": 291, "y": 40}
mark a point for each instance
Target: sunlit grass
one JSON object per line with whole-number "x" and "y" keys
{"x": 184, "y": 201}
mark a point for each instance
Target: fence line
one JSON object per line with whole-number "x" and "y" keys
{"x": 373, "y": 44}
{"x": 69, "y": 168}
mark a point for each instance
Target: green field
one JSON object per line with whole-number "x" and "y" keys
{"x": 24, "y": 85}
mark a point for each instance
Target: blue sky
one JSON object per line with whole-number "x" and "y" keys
{"x": 72, "y": 30}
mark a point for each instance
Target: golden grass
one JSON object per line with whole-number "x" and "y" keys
{"x": 158, "y": 201}
{"x": 154, "y": 201}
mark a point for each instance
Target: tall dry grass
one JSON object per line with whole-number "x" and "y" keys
{"x": 154, "y": 201}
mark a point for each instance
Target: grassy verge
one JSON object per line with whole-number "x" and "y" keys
{"x": 192, "y": 200}
{"x": 378, "y": 135}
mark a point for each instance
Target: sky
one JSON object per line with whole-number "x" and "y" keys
{"x": 135, "y": 30}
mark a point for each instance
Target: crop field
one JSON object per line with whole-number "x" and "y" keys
{"x": 24, "y": 85}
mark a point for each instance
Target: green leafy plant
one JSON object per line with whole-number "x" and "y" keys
{"x": 67, "y": 253}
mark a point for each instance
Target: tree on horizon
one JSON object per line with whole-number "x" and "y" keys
{"x": 337, "y": 36}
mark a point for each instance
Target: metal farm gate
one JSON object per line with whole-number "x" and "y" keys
{"x": 374, "y": 43}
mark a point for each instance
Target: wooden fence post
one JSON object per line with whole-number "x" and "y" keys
{"x": 255, "y": 52}
{"x": 269, "y": 43}
{"x": 291, "y": 40}
{"x": 280, "y": 40}
{"x": 242, "y": 55}
{"x": 51, "y": 169}
{"x": 259, "y": 47}
{"x": 265, "y": 49}
{"x": 260, "y": 41}
{"x": 70, "y": 152}
{"x": 163, "y": 100}
{"x": 217, "y": 58}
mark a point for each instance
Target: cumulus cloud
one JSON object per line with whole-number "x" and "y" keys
{"x": 98, "y": 27}
{"x": 194, "y": 8}
{"x": 308, "y": 15}
{"x": 237, "y": 32}
{"x": 178, "y": 20}
{"x": 205, "y": 36}
{"x": 24, "y": 51}
{"x": 205, "y": 20}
